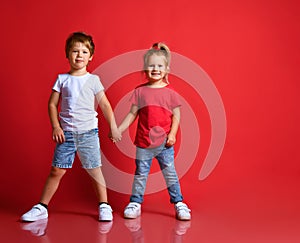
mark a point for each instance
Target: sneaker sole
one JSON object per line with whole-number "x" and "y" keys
{"x": 183, "y": 218}
{"x": 25, "y": 219}
{"x": 106, "y": 219}
{"x": 126, "y": 216}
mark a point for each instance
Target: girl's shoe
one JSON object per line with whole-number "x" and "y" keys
{"x": 132, "y": 211}
{"x": 182, "y": 211}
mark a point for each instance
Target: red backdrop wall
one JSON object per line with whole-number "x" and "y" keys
{"x": 249, "y": 49}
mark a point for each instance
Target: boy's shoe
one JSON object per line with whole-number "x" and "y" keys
{"x": 36, "y": 213}
{"x": 132, "y": 211}
{"x": 182, "y": 211}
{"x": 105, "y": 212}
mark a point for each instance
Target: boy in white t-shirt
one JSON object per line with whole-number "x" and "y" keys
{"x": 75, "y": 127}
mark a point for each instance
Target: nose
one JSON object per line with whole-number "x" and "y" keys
{"x": 156, "y": 67}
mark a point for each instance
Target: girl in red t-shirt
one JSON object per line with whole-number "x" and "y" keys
{"x": 157, "y": 107}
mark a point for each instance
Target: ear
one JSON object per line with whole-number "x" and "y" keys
{"x": 91, "y": 58}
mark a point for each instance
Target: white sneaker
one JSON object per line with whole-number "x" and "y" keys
{"x": 132, "y": 211}
{"x": 105, "y": 212}
{"x": 182, "y": 211}
{"x": 36, "y": 213}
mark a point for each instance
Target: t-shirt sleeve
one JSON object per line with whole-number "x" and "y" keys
{"x": 57, "y": 85}
{"x": 134, "y": 98}
{"x": 97, "y": 85}
{"x": 176, "y": 100}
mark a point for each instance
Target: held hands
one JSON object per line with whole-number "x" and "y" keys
{"x": 115, "y": 135}
{"x": 58, "y": 135}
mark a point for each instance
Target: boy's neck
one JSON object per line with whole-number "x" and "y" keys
{"x": 78, "y": 72}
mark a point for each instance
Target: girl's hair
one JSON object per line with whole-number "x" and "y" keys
{"x": 82, "y": 37}
{"x": 159, "y": 49}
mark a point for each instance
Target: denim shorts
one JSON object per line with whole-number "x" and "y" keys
{"x": 87, "y": 146}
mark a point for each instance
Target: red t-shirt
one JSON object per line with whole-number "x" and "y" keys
{"x": 155, "y": 114}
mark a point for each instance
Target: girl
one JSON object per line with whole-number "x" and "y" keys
{"x": 157, "y": 107}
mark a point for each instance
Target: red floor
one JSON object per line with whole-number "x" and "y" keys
{"x": 240, "y": 221}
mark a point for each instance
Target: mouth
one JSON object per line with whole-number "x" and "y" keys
{"x": 155, "y": 73}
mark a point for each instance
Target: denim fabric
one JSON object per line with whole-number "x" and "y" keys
{"x": 87, "y": 146}
{"x": 165, "y": 158}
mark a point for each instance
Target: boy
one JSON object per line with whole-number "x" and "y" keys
{"x": 75, "y": 127}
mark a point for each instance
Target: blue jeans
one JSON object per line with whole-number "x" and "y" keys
{"x": 86, "y": 144}
{"x": 143, "y": 161}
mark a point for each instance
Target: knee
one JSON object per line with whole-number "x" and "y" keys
{"x": 57, "y": 172}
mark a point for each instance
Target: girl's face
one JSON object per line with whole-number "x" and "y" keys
{"x": 156, "y": 69}
{"x": 79, "y": 57}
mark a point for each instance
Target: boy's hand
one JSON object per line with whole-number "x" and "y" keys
{"x": 58, "y": 135}
{"x": 115, "y": 135}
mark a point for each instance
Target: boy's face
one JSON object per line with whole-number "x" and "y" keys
{"x": 79, "y": 56}
{"x": 156, "y": 69}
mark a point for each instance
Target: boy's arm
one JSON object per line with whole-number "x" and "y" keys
{"x": 57, "y": 132}
{"x": 129, "y": 118}
{"x": 171, "y": 139}
{"x": 108, "y": 115}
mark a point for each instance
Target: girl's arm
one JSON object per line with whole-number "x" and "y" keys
{"x": 129, "y": 118}
{"x": 171, "y": 138}
{"x": 109, "y": 115}
{"x": 57, "y": 132}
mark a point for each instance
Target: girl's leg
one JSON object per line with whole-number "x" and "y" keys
{"x": 98, "y": 183}
{"x": 52, "y": 184}
{"x": 143, "y": 163}
{"x": 166, "y": 163}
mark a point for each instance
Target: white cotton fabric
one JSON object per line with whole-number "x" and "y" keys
{"x": 78, "y": 110}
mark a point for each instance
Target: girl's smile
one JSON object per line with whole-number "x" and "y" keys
{"x": 156, "y": 68}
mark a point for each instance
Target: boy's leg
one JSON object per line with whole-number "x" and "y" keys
{"x": 105, "y": 210}
{"x": 98, "y": 183}
{"x": 52, "y": 184}
{"x": 39, "y": 211}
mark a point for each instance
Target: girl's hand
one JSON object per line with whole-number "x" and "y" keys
{"x": 171, "y": 140}
{"x": 58, "y": 135}
{"x": 115, "y": 135}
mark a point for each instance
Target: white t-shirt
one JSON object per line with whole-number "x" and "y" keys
{"x": 78, "y": 103}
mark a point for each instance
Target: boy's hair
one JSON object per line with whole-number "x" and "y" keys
{"x": 82, "y": 37}
{"x": 159, "y": 49}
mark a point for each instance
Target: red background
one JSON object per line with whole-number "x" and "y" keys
{"x": 250, "y": 49}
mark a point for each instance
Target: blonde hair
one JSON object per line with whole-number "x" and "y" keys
{"x": 160, "y": 49}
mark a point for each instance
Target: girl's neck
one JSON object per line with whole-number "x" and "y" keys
{"x": 157, "y": 84}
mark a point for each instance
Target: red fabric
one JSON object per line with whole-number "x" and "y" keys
{"x": 155, "y": 114}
